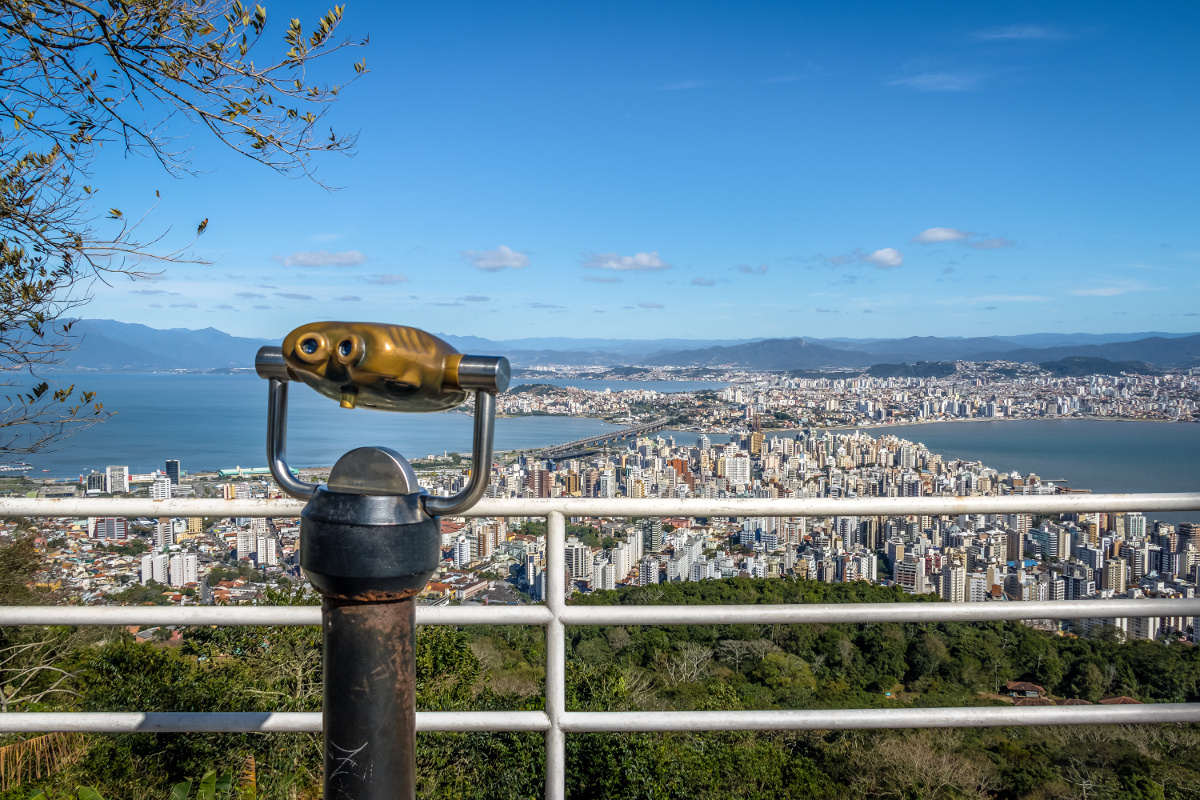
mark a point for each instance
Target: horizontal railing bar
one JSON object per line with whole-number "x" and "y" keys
{"x": 616, "y": 721}
{"x": 629, "y": 507}
{"x": 764, "y": 614}
{"x": 801, "y": 613}
{"x": 244, "y": 722}
{"x": 873, "y": 718}
{"x": 826, "y": 507}
{"x": 230, "y": 616}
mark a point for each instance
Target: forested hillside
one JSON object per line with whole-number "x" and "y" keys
{"x": 682, "y": 667}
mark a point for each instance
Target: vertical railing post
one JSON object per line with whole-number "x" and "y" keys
{"x": 556, "y": 655}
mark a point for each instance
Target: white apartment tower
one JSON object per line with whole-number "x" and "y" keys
{"x": 161, "y": 488}
{"x": 648, "y": 571}
{"x": 182, "y": 569}
{"x": 154, "y": 568}
{"x": 117, "y": 479}
{"x": 953, "y": 587}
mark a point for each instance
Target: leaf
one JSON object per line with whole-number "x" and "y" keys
{"x": 181, "y": 790}
{"x": 224, "y": 784}
{"x": 207, "y": 790}
{"x": 88, "y": 793}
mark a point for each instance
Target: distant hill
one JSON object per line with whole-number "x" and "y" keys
{"x": 1064, "y": 339}
{"x": 1074, "y": 366}
{"x": 104, "y": 344}
{"x": 123, "y": 346}
{"x": 1158, "y": 350}
{"x": 928, "y": 348}
{"x": 767, "y": 354}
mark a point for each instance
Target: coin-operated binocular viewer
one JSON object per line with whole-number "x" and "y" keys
{"x": 370, "y": 538}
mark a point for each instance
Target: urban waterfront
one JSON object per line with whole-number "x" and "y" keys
{"x": 219, "y": 421}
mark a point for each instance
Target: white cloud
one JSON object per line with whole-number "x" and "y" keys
{"x": 650, "y": 305}
{"x": 993, "y": 243}
{"x": 992, "y": 298}
{"x": 939, "y": 82}
{"x": 703, "y": 282}
{"x": 761, "y": 269}
{"x": 475, "y": 298}
{"x": 639, "y": 262}
{"x": 1112, "y": 290}
{"x": 887, "y": 258}
{"x": 322, "y": 258}
{"x": 494, "y": 260}
{"x": 602, "y": 278}
{"x": 978, "y": 241}
{"x": 932, "y": 235}
{"x": 387, "y": 280}
{"x": 1011, "y": 33}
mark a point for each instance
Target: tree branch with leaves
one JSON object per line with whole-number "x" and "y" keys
{"x": 78, "y": 76}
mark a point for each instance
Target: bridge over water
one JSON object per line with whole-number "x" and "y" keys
{"x": 583, "y": 447}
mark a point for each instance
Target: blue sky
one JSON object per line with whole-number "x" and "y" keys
{"x": 715, "y": 170}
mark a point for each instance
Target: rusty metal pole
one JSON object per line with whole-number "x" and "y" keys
{"x": 370, "y": 713}
{"x": 369, "y": 548}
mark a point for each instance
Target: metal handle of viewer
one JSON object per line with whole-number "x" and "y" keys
{"x": 269, "y": 364}
{"x": 481, "y": 462}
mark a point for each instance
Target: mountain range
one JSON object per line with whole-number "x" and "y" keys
{"x": 108, "y": 345}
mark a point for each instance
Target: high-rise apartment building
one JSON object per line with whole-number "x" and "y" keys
{"x": 648, "y": 572}
{"x": 182, "y": 569}
{"x": 910, "y": 574}
{"x": 461, "y": 555}
{"x": 164, "y": 535}
{"x": 265, "y": 551}
{"x": 97, "y": 483}
{"x": 117, "y": 479}
{"x": 246, "y": 544}
{"x": 154, "y": 568}
{"x": 652, "y": 534}
{"x": 161, "y": 488}
{"x": 172, "y": 471}
{"x": 1115, "y": 574}
{"x": 579, "y": 560}
{"x": 953, "y": 587}
{"x": 737, "y": 469}
{"x": 108, "y": 528}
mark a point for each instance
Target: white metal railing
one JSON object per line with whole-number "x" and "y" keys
{"x": 555, "y": 721}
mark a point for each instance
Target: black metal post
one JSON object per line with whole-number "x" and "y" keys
{"x": 369, "y": 712}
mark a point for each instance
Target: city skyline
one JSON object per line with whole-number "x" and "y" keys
{"x": 667, "y": 171}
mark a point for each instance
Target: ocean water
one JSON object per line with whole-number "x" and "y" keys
{"x": 220, "y": 421}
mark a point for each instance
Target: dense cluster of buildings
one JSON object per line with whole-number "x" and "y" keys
{"x": 991, "y": 390}
{"x": 980, "y": 558}
{"x": 187, "y": 560}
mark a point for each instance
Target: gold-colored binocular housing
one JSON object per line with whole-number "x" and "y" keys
{"x": 386, "y": 367}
